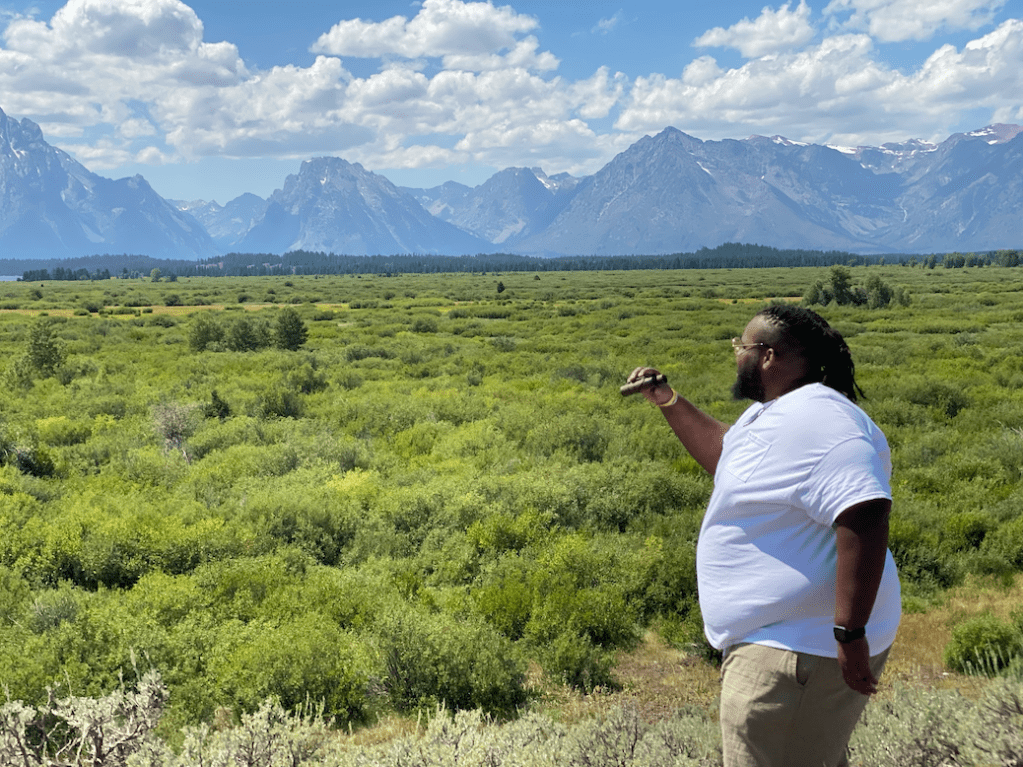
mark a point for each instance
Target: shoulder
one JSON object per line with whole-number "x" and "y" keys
{"x": 818, "y": 414}
{"x": 816, "y": 399}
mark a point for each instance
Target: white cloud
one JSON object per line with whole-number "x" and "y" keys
{"x": 772, "y": 32}
{"x": 94, "y": 56}
{"x": 899, "y": 20}
{"x": 465, "y": 35}
{"x": 523, "y": 55}
{"x": 467, "y": 82}
{"x": 151, "y": 156}
{"x": 139, "y": 29}
{"x": 987, "y": 72}
{"x": 604, "y": 26}
{"x": 135, "y": 128}
{"x": 837, "y": 91}
{"x": 595, "y": 97}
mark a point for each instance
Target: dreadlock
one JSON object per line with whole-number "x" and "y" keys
{"x": 806, "y": 333}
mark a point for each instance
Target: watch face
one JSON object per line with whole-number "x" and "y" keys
{"x": 845, "y": 635}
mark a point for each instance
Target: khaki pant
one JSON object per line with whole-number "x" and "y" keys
{"x": 787, "y": 709}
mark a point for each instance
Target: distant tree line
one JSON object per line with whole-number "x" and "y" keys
{"x": 65, "y": 275}
{"x": 731, "y": 255}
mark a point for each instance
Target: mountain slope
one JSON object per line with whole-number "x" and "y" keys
{"x": 510, "y": 206}
{"x": 226, "y": 224}
{"x": 967, "y": 196}
{"x": 671, "y": 193}
{"x": 51, "y": 206}
{"x": 334, "y": 206}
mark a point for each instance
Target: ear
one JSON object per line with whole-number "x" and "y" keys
{"x": 768, "y": 359}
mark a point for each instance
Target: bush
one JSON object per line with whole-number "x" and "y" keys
{"x": 965, "y": 531}
{"x": 575, "y": 661}
{"x": 279, "y": 402}
{"x": 247, "y": 335}
{"x": 289, "y": 331}
{"x": 77, "y": 730}
{"x": 44, "y": 353}
{"x": 203, "y": 332}
{"x": 424, "y": 325}
{"x": 982, "y": 645}
{"x": 307, "y": 660}
{"x": 432, "y": 659}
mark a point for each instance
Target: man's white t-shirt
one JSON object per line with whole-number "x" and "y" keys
{"x": 766, "y": 555}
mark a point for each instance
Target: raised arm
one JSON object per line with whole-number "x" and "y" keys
{"x": 698, "y": 432}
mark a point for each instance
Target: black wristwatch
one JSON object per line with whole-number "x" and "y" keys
{"x": 845, "y": 636}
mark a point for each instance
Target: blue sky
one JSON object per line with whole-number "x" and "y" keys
{"x": 213, "y": 98}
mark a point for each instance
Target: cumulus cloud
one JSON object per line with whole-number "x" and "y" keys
{"x": 839, "y": 90}
{"x": 465, "y": 35}
{"x": 469, "y": 82}
{"x": 94, "y": 56}
{"x": 96, "y": 61}
{"x": 771, "y": 32}
{"x": 899, "y": 20}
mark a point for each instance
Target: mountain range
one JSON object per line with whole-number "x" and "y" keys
{"x": 668, "y": 193}
{"x": 52, "y": 206}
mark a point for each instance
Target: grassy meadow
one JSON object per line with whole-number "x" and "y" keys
{"x": 380, "y": 494}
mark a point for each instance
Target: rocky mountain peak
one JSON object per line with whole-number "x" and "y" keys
{"x": 52, "y": 206}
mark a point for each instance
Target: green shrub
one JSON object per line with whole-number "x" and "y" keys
{"x": 432, "y": 659}
{"x": 279, "y": 402}
{"x": 965, "y": 531}
{"x": 247, "y": 334}
{"x": 204, "y": 331}
{"x": 574, "y": 660}
{"x": 424, "y": 325}
{"x": 982, "y": 645}
{"x": 289, "y": 331}
{"x": 307, "y": 660}
{"x": 503, "y": 596}
{"x": 1007, "y": 542}
{"x": 922, "y": 567}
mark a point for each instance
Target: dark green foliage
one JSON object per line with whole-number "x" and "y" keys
{"x": 289, "y": 331}
{"x": 247, "y": 334}
{"x": 204, "y": 331}
{"x": 28, "y": 459}
{"x": 965, "y": 531}
{"x": 875, "y": 293}
{"x": 44, "y": 351}
{"x": 424, "y": 325}
{"x": 216, "y": 407}
{"x": 279, "y": 402}
{"x": 944, "y": 396}
{"x": 306, "y": 660}
{"x": 922, "y": 567}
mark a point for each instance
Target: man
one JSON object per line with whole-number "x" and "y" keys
{"x": 796, "y": 582}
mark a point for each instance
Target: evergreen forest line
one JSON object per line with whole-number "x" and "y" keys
{"x": 730, "y": 255}
{"x": 381, "y": 493}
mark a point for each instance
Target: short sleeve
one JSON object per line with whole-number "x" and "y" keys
{"x": 852, "y": 472}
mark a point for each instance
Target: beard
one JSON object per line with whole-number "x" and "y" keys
{"x": 748, "y": 384}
